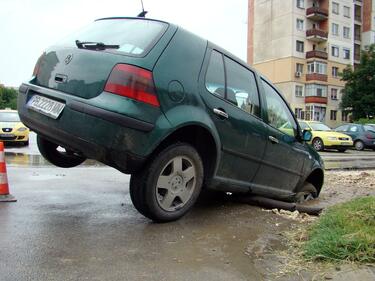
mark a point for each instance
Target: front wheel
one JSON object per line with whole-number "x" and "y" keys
{"x": 359, "y": 145}
{"x": 169, "y": 185}
{"x": 58, "y": 156}
{"x": 318, "y": 144}
{"x": 308, "y": 192}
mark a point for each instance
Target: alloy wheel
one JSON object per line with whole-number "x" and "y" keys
{"x": 176, "y": 183}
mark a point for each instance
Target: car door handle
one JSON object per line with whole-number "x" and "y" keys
{"x": 273, "y": 139}
{"x": 221, "y": 113}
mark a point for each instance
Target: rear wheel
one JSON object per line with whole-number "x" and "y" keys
{"x": 169, "y": 185}
{"x": 359, "y": 145}
{"x": 57, "y": 155}
{"x": 318, "y": 144}
{"x": 307, "y": 192}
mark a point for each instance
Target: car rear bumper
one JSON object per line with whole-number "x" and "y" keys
{"x": 105, "y": 136}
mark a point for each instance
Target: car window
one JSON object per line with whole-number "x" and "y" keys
{"x": 134, "y": 36}
{"x": 9, "y": 117}
{"x": 317, "y": 126}
{"x": 369, "y": 128}
{"x": 215, "y": 78}
{"x": 342, "y": 128}
{"x": 353, "y": 129}
{"x": 241, "y": 87}
{"x": 279, "y": 115}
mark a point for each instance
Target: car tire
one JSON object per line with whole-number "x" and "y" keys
{"x": 63, "y": 159}
{"x": 359, "y": 145}
{"x": 341, "y": 149}
{"x": 318, "y": 144}
{"x": 307, "y": 192}
{"x": 169, "y": 185}
{"x": 26, "y": 143}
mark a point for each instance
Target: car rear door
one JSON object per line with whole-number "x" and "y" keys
{"x": 284, "y": 156}
{"x": 230, "y": 92}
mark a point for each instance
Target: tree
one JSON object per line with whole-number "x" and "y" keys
{"x": 8, "y": 98}
{"x": 359, "y": 91}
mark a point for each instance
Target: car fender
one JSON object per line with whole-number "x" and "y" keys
{"x": 187, "y": 115}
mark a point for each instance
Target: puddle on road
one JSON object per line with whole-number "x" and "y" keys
{"x": 21, "y": 159}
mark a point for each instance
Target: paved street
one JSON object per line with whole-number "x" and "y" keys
{"x": 79, "y": 224}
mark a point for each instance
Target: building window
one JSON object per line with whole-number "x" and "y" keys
{"x": 333, "y": 94}
{"x": 335, "y": 51}
{"x": 346, "y": 11}
{"x": 299, "y": 91}
{"x": 335, "y": 29}
{"x": 335, "y": 72}
{"x": 335, "y": 8}
{"x": 346, "y": 32}
{"x": 299, "y": 113}
{"x": 299, "y": 67}
{"x": 333, "y": 114}
{"x": 300, "y": 47}
{"x": 300, "y": 24}
{"x": 346, "y": 53}
{"x": 316, "y": 90}
{"x": 344, "y": 116}
{"x": 317, "y": 67}
{"x": 301, "y": 4}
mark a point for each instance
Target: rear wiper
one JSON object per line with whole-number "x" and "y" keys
{"x": 95, "y": 45}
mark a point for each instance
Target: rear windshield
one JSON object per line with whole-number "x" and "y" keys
{"x": 9, "y": 117}
{"x": 134, "y": 36}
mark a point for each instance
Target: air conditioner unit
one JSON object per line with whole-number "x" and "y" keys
{"x": 298, "y": 74}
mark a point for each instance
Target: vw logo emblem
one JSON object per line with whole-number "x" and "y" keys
{"x": 68, "y": 58}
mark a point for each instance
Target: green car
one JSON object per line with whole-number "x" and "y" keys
{"x": 175, "y": 111}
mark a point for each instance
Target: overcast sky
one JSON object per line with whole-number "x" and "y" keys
{"x": 28, "y": 27}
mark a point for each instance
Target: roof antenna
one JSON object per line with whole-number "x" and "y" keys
{"x": 143, "y": 13}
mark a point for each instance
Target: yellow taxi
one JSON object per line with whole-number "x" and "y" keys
{"x": 323, "y": 137}
{"x": 11, "y": 127}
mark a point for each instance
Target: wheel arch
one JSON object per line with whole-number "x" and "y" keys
{"x": 201, "y": 138}
{"x": 316, "y": 178}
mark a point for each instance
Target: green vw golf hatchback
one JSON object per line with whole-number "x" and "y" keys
{"x": 175, "y": 111}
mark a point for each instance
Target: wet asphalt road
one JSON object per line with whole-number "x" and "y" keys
{"x": 79, "y": 224}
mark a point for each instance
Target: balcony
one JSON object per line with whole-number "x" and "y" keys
{"x": 317, "y": 54}
{"x": 317, "y": 14}
{"x": 316, "y": 35}
{"x": 316, "y": 77}
{"x": 316, "y": 99}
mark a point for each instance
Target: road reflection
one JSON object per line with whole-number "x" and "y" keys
{"x": 29, "y": 160}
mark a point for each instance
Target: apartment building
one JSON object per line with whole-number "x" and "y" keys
{"x": 303, "y": 45}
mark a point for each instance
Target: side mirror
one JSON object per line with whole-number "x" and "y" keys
{"x": 306, "y": 135}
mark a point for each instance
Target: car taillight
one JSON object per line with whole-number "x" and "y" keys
{"x": 132, "y": 82}
{"x": 37, "y": 65}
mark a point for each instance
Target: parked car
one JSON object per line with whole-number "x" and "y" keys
{"x": 12, "y": 129}
{"x": 362, "y": 135}
{"x": 170, "y": 108}
{"x": 324, "y": 138}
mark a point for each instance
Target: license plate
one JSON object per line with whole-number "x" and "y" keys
{"x": 6, "y": 136}
{"x": 46, "y": 106}
{"x": 345, "y": 143}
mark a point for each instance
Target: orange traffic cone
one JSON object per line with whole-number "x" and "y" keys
{"x": 4, "y": 187}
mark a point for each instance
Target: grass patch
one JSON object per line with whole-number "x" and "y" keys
{"x": 345, "y": 232}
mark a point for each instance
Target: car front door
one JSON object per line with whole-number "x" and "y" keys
{"x": 230, "y": 93}
{"x": 284, "y": 156}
